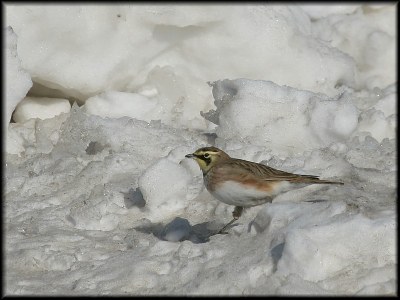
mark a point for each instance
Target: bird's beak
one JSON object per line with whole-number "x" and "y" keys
{"x": 189, "y": 155}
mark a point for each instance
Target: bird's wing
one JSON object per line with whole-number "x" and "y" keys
{"x": 271, "y": 174}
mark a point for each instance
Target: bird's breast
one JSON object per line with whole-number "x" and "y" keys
{"x": 245, "y": 193}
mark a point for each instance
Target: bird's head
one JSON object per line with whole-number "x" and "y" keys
{"x": 208, "y": 157}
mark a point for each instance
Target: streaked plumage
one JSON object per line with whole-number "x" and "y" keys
{"x": 244, "y": 183}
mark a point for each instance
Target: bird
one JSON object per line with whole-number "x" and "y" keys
{"x": 245, "y": 183}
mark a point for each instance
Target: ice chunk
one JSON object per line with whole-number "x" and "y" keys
{"x": 131, "y": 41}
{"x": 18, "y": 81}
{"x": 318, "y": 252}
{"x": 369, "y": 153}
{"x": 42, "y": 108}
{"x": 334, "y": 120}
{"x": 374, "y": 123}
{"x": 115, "y": 104}
{"x": 369, "y": 26}
{"x": 258, "y": 112}
{"x": 164, "y": 186}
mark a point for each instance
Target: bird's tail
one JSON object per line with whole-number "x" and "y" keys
{"x": 328, "y": 182}
{"x": 315, "y": 179}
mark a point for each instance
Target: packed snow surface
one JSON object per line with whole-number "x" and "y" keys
{"x": 106, "y": 101}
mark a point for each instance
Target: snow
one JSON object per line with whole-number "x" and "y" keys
{"x": 114, "y": 104}
{"x": 318, "y": 258}
{"x": 99, "y": 197}
{"x": 164, "y": 184}
{"x": 39, "y": 107}
{"x": 18, "y": 81}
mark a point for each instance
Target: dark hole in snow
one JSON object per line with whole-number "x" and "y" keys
{"x": 211, "y": 138}
{"x": 134, "y": 198}
{"x": 94, "y": 148}
{"x": 276, "y": 254}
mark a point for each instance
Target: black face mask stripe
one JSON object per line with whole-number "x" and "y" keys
{"x": 206, "y": 160}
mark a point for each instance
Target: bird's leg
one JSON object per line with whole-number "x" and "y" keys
{"x": 237, "y": 212}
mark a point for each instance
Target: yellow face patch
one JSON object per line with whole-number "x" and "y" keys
{"x": 205, "y": 158}
{"x": 204, "y": 165}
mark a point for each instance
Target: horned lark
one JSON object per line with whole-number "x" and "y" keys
{"x": 244, "y": 183}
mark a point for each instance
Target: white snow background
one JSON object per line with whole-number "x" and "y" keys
{"x": 103, "y": 102}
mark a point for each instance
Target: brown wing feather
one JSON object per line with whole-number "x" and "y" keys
{"x": 271, "y": 174}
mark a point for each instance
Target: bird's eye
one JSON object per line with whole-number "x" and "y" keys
{"x": 206, "y": 155}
